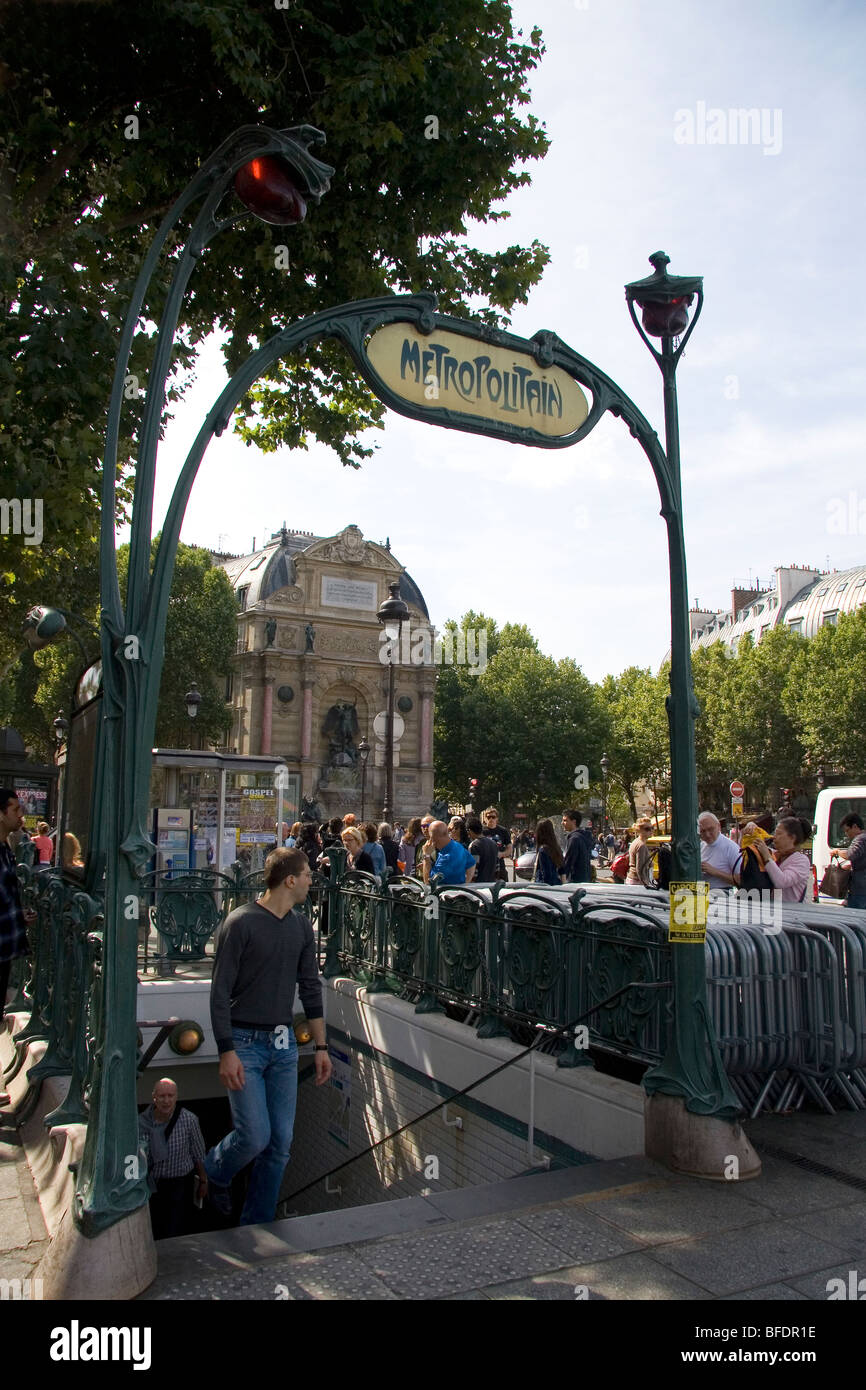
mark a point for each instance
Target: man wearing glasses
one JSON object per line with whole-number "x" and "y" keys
{"x": 494, "y": 830}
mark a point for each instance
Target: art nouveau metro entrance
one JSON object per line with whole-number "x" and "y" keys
{"x": 435, "y": 369}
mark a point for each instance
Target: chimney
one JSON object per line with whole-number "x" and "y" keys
{"x": 739, "y": 599}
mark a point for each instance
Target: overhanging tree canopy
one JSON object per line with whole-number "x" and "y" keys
{"x": 106, "y": 110}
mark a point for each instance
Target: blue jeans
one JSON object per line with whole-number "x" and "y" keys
{"x": 264, "y": 1117}
{"x": 857, "y": 900}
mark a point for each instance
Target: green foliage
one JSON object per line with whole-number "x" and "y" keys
{"x": 520, "y": 727}
{"x": 824, "y": 696}
{"x": 80, "y": 200}
{"x": 751, "y": 728}
{"x": 638, "y": 743}
{"x": 200, "y": 640}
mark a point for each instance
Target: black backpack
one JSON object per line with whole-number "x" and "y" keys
{"x": 664, "y": 866}
{"x": 751, "y": 873}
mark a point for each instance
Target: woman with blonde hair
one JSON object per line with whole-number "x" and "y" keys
{"x": 358, "y": 856}
{"x": 71, "y": 851}
{"x": 640, "y": 857}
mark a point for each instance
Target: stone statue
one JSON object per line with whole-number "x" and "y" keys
{"x": 341, "y": 725}
{"x": 310, "y": 634}
{"x": 311, "y": 810}
{"x": 270, "y": 632}
{"x": 439, "y": 809}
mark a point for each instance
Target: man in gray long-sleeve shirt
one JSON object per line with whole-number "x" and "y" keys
{"x": 264, "y": 950}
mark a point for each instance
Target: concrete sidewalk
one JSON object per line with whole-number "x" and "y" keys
{"x": 23, "y": 1236}
{"x": 622, "y": 1229}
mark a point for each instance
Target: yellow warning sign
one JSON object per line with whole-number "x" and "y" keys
{"x": 688, "y": 918}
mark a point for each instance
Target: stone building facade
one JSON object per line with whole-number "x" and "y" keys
{"x": 311, "y": 672}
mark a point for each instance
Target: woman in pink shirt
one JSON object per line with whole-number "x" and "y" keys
{"x": 44, "y": 844}
{"x": 790, "y": 870}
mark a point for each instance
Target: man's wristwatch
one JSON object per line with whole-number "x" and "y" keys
{"x": 321, "y": 1047}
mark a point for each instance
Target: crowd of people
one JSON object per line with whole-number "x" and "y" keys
{"x": 466, "y": 849}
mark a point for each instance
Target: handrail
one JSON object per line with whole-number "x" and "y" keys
{"x": 544, "y": 1033}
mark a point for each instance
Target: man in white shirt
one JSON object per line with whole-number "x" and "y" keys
{"x": 719, "y": 855}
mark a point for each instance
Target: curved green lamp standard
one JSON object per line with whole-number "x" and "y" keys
{"x": 260, "y": 162}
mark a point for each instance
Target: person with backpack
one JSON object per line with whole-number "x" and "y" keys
{"x": 788, "y": 868}
{"x": 751, "y": 873}
{"x": 640, "y": 857}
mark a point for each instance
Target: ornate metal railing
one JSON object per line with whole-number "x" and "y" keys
{"x": 508, "y": 957}
{"x": 787, "y": 1003}
{"x": 186, "y": 910}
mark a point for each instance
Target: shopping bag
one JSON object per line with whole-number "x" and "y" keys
{"x": 835, "y": 880}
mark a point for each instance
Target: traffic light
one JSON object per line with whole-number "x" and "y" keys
{"x": 473, "y": 790}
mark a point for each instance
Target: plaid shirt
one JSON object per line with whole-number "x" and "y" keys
{"x": 185, "y": 1148}
{"x": 13, "y": 938}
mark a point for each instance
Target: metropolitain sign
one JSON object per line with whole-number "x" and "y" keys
{"x": 503, "y": 390}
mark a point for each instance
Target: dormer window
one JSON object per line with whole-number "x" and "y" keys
{"x": 242, "y": 597}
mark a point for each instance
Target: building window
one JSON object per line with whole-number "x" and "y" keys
{"x": 831, "y": 619}
{"x": 764, "y": 630}
{"x": 230, "y": 686}
{"x": 796, "y": 625}
{"x": 822, "y": 592}
{"x": 242, "y": 597}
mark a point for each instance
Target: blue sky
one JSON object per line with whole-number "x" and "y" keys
{"x": 771, "y": 387}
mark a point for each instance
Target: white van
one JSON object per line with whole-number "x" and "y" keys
{"x": 831, "y": 808}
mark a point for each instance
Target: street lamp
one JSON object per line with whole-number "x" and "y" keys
{"x": 192, "y": 700}
{"x": 274, "y": 174}
{"x": 392, "y": 615}
{"x": 605, "y": 766}
{"x": 363, "y": 754}
{"x": 691, "y": 1070}
{"x": 61, "y": 729}
{"x": 821, "y": 778}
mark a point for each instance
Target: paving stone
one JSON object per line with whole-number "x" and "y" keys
{"x": 784, "y": 1189}
{"x": 844, "y": 1226}
{"x": 578, "y": 1233}
{"x": 770, "y": 1293}
{"x": 625, "y": 1277}
{"x": 22, "y": 1263}
{"x": 457, "y": 1261}
{"x": 770, "y": 1253}
{"x": 679, "y": 1210}
{"x": 814, "y": 1284}
{"x": 15, "y": 1229}
{"x": 9, "y": 1185}
{"x": 299, "y": 1278}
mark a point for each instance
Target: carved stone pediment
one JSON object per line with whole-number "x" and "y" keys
{"x": 348, "y": 548}
{"x": 285, "y": 598}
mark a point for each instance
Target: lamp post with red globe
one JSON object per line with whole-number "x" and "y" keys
{"x": 692, "y": 1114}
{"x": 274, "y": 176}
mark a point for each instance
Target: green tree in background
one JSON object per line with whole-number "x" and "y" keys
{"x": 638, "y": 743}
{"x": 825, "y": 696}
{"x": 200, "y": 640}
{"x": 106, "y": 111}
{"x": 712, "y": 673}
{"x": 751, "y": 729}
{"x": 521, "y": 726}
